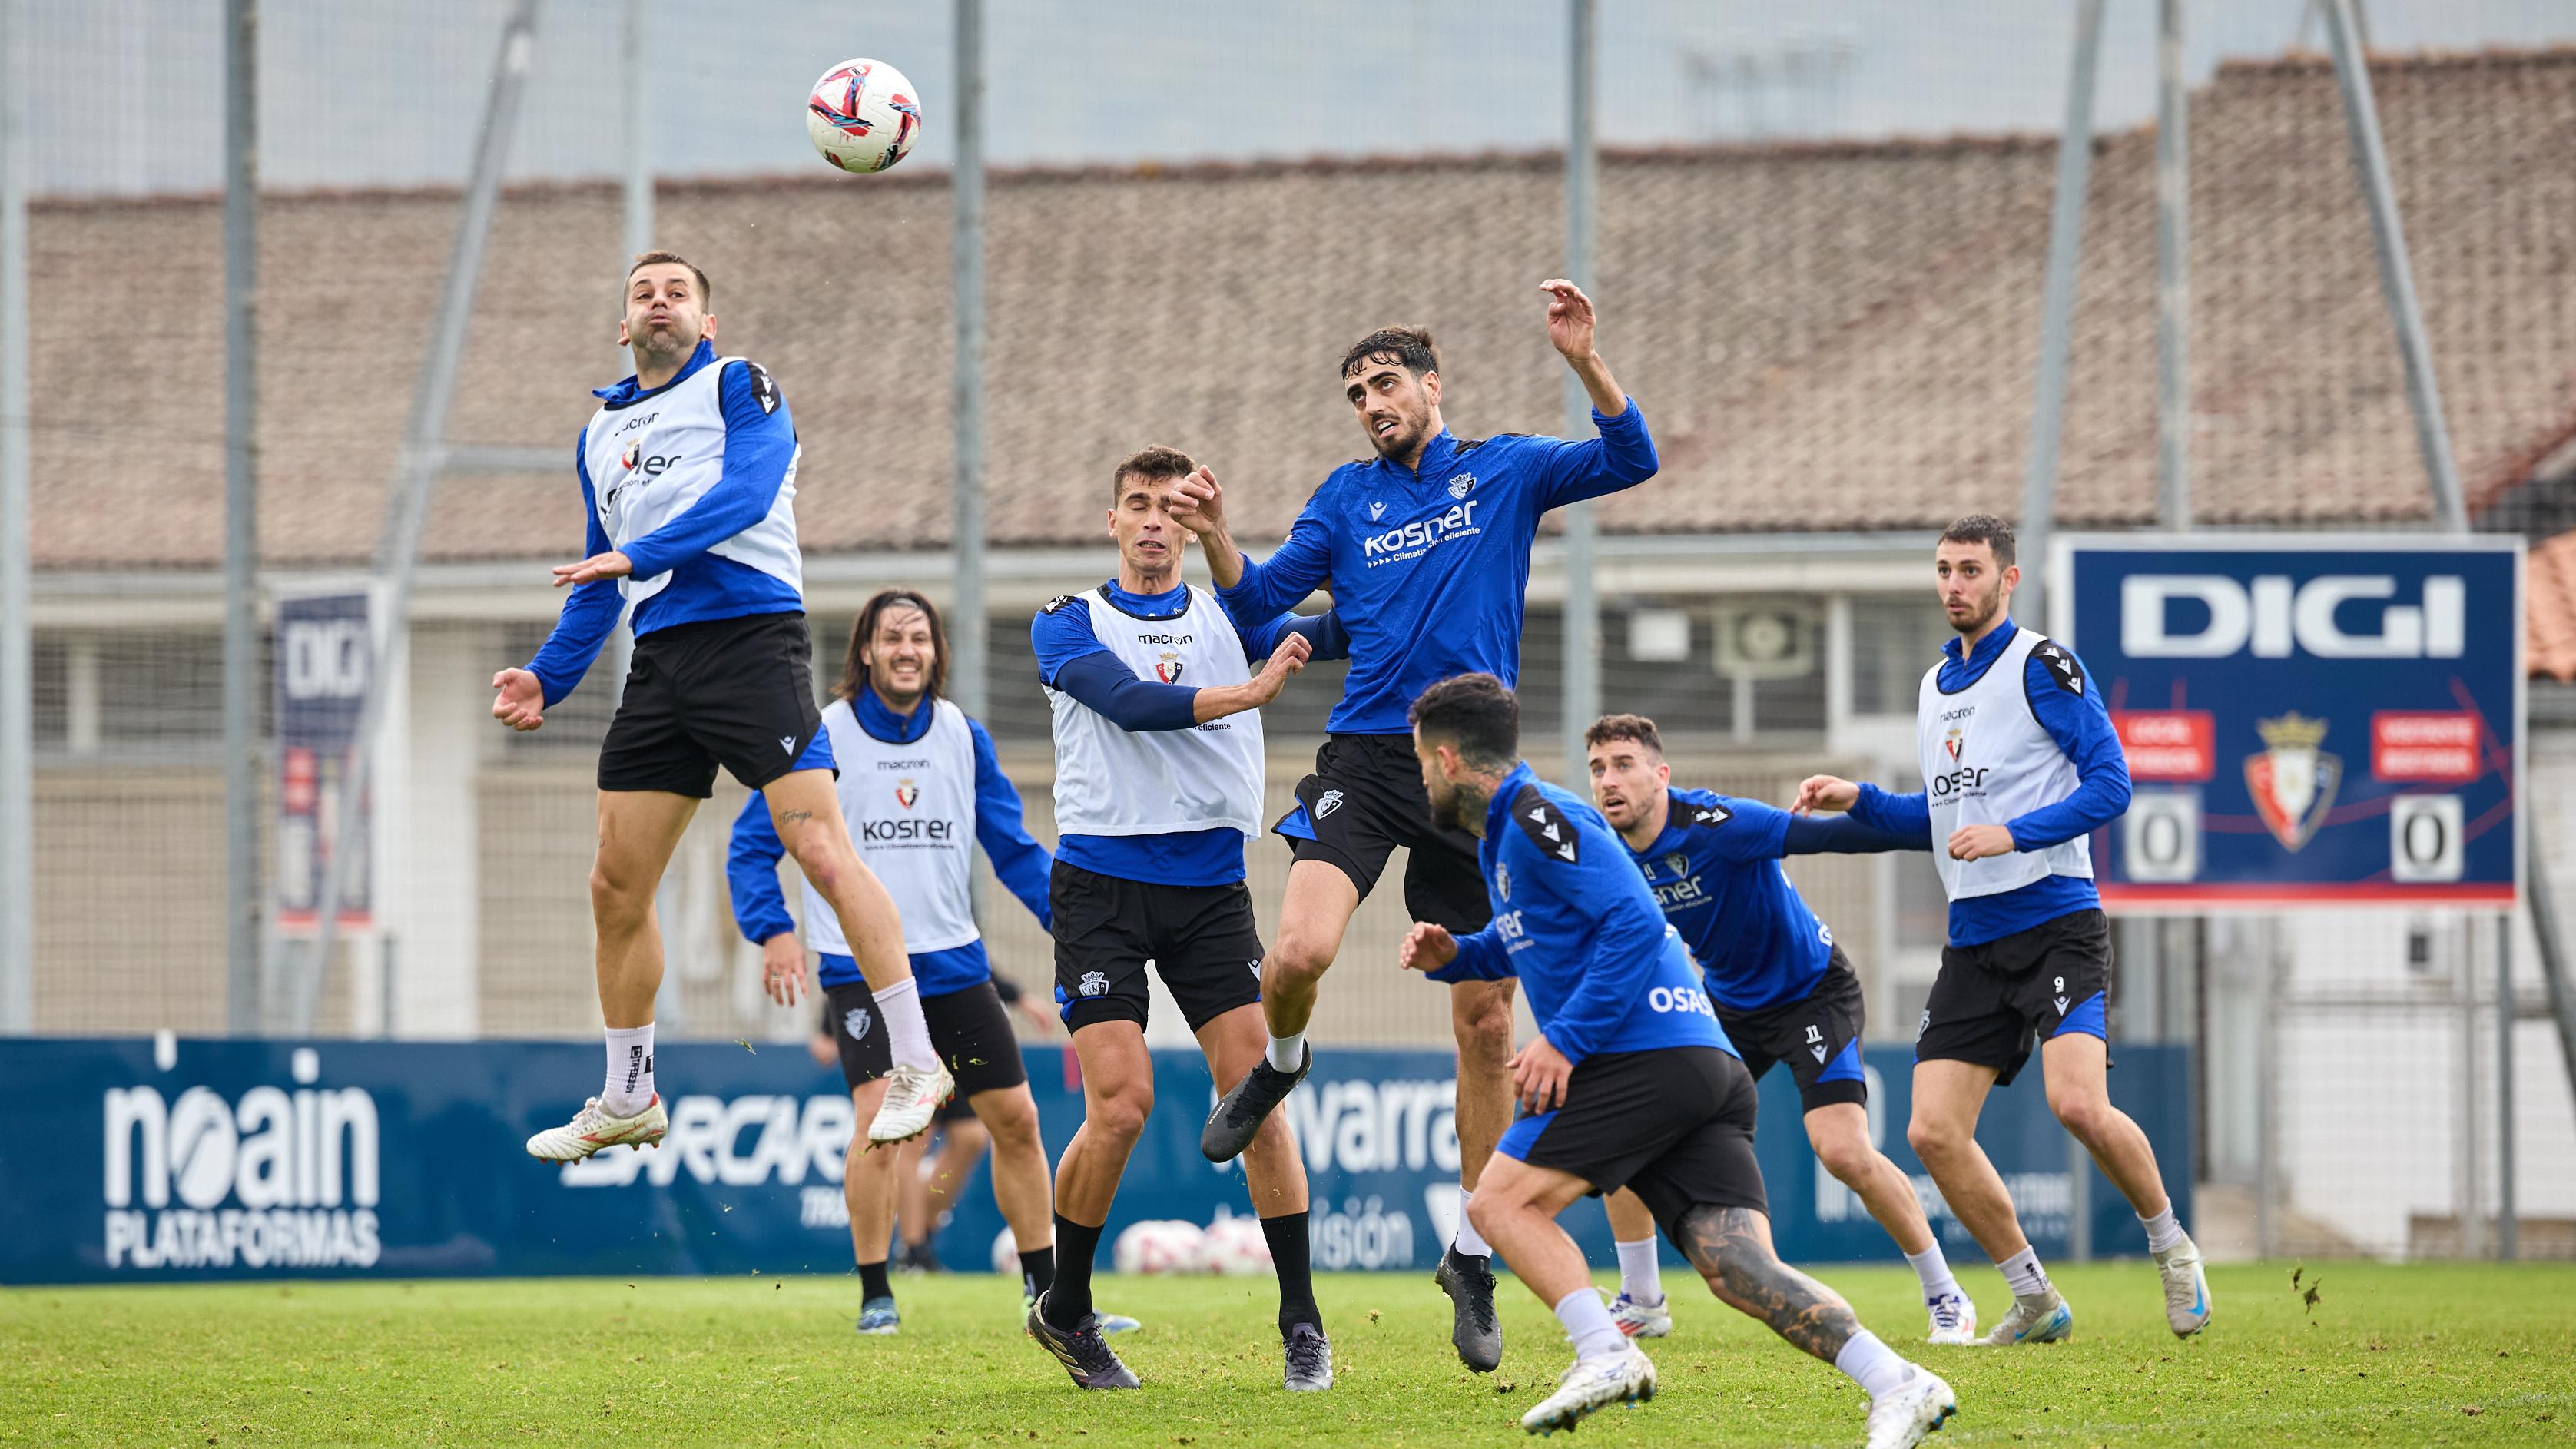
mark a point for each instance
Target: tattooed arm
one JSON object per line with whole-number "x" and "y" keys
{"x": 1731, "y": 1248}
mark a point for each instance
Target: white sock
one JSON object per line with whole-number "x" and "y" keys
{"x": 1876, "y": 1367}
{"x": 2023, "y": 1274}
{"x": 1588, "y": 1322}
{"x": 1640, "y": 1276}
{"x": 1288, "y": 1053}
{"x": 629, "y": 1089}
{"x": 907, "y": 1035}
{"x": 2162, "y": 1231}
{"x": 1471, "y": 1244}
{"x": 1933, "y": 1271}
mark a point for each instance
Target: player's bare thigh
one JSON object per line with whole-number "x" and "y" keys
{"x": 1313, "y": 916}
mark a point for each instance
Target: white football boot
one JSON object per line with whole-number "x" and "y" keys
{"x": 2034, "y": 1320}
{"x": 1591, "y": 1384}
{"x": 1642, "y": 1320}
{"x": 593, "y": 1130}
{"x": 1954, "y": 1319}
{"x": 1899, "y": 1418}
{"x": 2186, "y": 1287}
{"x": 912, "y": 1095}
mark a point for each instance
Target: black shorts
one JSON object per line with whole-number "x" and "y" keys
{"x": 1818, "y": 1035}
{"x": 1674, "y": 1126}
{"x": 1201, "y": 939}
{"x": 1365, "y": 799}
{"x": 969, "y": 1029}
{"x": 1993, "y": 1002}
{"x": 732, "y": 692}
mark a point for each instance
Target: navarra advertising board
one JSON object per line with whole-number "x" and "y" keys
{"x": 180, "y": 1160}
{"x": 2309, "y": 719}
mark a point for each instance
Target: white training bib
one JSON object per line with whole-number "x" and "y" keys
{"x": 652, "y": 458}
{"x": 1986, "y": 759}
{"x": 1110, "y": 781}
{"x": 911, "y": 812}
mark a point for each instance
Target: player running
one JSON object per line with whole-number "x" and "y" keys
{"x": 921, "y": 786}
{"x": 1426, "y": 549}
{"x": 1784, "y": 992}
{"x": 1158, "y": 779}
{"x": 1630, "y": 1082}
{"x": 688, "y": 471}
{"x": 2020, "y": 765}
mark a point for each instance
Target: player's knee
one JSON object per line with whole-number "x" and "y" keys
{"x": 822, "y": 860}
{"x": 1120, "y": 1113}
{"x": 1011, "y": 1122}
{"x": 1848, "y": 1159}
{"x": 1934, "y": 1142}
{"x": 2081, "y": 1113}
{"x": 617, "y": 897}
{"x": 1484, "y": 1034}
{"x": 1299, "y": 959}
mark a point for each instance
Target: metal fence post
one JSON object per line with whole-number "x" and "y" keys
{"x": 2508, "y": 1230}
{"x": 967, "y": 672}
{"x": 2173, "y": 274}
{"x": 244, "y": 755}
{"x": 1579, "y": 668}
{"x": 2472, "y": 1162}
{"x": 17, "y": 558}
{"x": 2057, "y": 309}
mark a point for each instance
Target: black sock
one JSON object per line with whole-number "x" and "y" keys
{"x": 1068, "y": 1299}
{"x": 1291, "y": 1256}
{"x": 1037, "y": 1271}
{"x": 872, "y": 1281}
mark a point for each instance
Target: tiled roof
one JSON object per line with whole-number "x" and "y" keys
{"x": 2549, "y": 608}
{"x": 1824, "y": 337}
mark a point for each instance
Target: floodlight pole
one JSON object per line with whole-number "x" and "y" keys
{"x": 17, "y": 557}
{"x": 398, "y": 552}
{"x": 2057, "y": 310}
{"x": 966, "y": 667}
{"x": 245, "y": 910}
{"x": 1579, "y": 667}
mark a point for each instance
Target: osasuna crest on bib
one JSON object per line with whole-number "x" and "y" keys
{"x": 2292, "y": 781}
{"x": 911, "y": 812}
{"x": 1168, "y": 668}
{"x": 906, "y": 793}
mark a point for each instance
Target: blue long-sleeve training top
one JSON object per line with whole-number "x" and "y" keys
{"x": 1574, "y": 921}
{"x": 1428, "y": 565}
{"x": 1019, "y": 861}
{"x": 759, "y": 447}
{"x": 2080, "y": 724}
{"x": 1715, "y": 870}
{"x": 1072, "y": 658}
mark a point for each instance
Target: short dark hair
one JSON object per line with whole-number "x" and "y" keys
{"x": 1410, "y": 348}
{"x": 706, "y": 289}
{"x": 854, "y": 669}
{"x": 1150, "y": 464}
{"x": 1624, "y": 727}
{"x": 1476, "y": 714}
{"x": 1987, "y": 529}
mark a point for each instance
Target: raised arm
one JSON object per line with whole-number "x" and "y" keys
{"x": 1249, "y": 590}
{"x": 760, "y": 445}
{"x": 1623, "y": 456}
{"x": 1325, "y": 637}
{"x": 751, "y": 875}
{"x": 1019, "y": 862}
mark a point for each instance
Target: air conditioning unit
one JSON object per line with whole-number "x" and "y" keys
{"x": 1765, "y": 639}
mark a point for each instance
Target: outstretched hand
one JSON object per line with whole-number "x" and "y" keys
{"x": 1426, "y": 948}
{"x": 1284, "y": 661}
{"x": 1199, "y": 503}
{"x": 1824, "y": 792}
{"x": 1570, "y": 318}
{"x": 521, "y": 701}
{"x": 610, "y": 565}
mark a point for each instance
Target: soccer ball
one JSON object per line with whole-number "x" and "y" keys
{"x": 1006, "y": 1253}
{"x": 1158, "y": 1246}
{"x": 863, "y": 115}
{"x": 1235, "y": 1248}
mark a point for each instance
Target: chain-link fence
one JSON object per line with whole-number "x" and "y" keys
{"x": 1821, "y": 247}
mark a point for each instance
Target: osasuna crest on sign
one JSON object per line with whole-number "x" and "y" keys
{"x": 1094, "y": 983}
{"x": 1168, "y": 669}
{"x": 2292, "y": 781}
{"x": 906, "y": 792}
{"x": 1462, "y": 485}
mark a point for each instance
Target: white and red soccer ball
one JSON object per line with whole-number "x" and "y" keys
{"x": 863, "y": 115}
{"x": 1158, "y": 1245}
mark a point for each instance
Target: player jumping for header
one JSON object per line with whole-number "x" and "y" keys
{"x": 688, "y": 476}
{"x": 1783, "y": 989}
{"x": 1426, "y": 549}
{"x": 2020, "y": 766}
{"x": 1630, "y": 1082}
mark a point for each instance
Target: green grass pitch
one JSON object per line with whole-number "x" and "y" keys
{"x": 2430, "y": 1354}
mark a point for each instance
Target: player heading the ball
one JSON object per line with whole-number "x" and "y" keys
{"x": 1425, "y": 545}
{"x": 688, "y": 481}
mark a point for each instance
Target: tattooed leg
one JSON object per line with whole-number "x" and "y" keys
{"x": 1731, "y": 1248}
